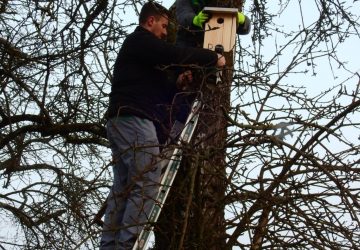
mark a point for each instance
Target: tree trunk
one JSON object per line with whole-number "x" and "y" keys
{"x": 193, "y": 216}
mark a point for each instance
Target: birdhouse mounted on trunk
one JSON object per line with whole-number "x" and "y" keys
{"x": 221, "y": 28}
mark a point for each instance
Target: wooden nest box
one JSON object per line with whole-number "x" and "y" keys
{"x": 221, "y": 28}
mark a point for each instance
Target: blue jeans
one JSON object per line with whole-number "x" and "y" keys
{"x": 135, "y": 150}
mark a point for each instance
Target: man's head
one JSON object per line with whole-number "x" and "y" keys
{"x": 154, "y": 18}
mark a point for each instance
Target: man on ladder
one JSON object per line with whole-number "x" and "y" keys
{"x": 139, "y": 87}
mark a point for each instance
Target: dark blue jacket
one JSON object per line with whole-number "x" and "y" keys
{"x": 140, "y": 84}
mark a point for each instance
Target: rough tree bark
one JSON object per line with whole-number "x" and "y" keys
{"x": 193, "y": 217}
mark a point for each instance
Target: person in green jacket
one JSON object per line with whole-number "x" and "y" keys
{"x": 191, "y": 20}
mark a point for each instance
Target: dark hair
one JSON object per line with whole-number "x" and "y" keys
{"x": 152, "y": 9}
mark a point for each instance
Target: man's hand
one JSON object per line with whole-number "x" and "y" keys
{"x": 200, "y": 19}
{"x": 221, "y": 61}
{"x": 184, "y": 80}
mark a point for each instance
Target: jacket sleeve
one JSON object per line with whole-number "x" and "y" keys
{"x": 185, "y": 13}
{"x": 245, "y": 28}
{"x": 153, "y": 51}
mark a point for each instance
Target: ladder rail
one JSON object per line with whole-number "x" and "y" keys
{"x": 169, "y": 175}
